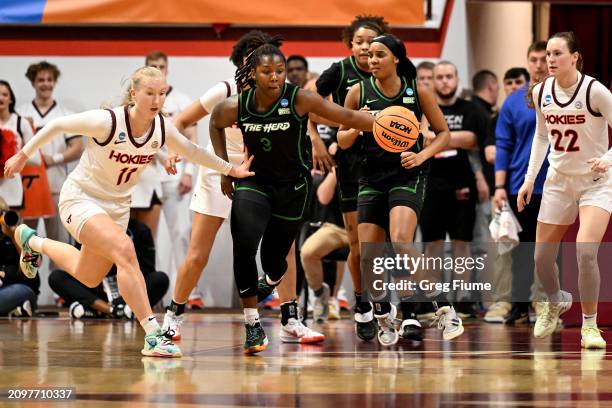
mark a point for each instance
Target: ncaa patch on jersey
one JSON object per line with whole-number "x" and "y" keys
{"x": 547, "y": 100}
{"x": 409, "y": 91}
{"x": 155, "y": 144}
{"x": 284, "y": 111}
{"x": 284, "y": 103}
{"x": 122, "y": 136}
{"x": 408, "y": 99}
{"x": 578, "y": 105}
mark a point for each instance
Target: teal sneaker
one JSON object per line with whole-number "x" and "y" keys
{"x": 29, "y": 260}
{"x": 160, "y": 345}
{"x": 256, "y": 339}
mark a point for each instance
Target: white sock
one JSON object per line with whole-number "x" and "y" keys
{"x": 150, "y": 325}
{"x": 251, "y": 316}
{"x": 271, "y": 282}
{"x": 589, "y": 320}
{"x": 36, "y": 243}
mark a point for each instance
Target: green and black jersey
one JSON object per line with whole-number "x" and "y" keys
{"x": 379, "y": 164}
{"x": 277, "y": 138}
{"x": 336, "y": 81}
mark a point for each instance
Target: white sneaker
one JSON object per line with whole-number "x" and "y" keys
{"x": 320, "y": 308}
{"x": 295, "y": 332}
{"x": 447, "y": 320}
{"x": 548, "y": 316}
{"x": 334, "y": 309}
{"x": 387, "y": 331}
{"x": 173, "y": 323}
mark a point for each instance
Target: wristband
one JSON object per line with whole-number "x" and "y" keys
{"x": 500, "y": 187}
{"x": 58, "y": 158}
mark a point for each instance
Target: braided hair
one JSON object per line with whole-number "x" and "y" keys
{"x": 244, "y": 74}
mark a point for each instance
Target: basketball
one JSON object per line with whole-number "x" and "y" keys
{"x": 396, "y": 129}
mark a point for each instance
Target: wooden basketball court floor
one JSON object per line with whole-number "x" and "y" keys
{"x": 488, "y": 366}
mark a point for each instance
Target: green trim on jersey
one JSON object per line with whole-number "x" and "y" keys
{"x": 410, "y": 189}
{"x": 299, "y": 217}
{"x": 252, "y": 189}
{"x": 368, "y": 191}
{"x": 271, "y": 110}
{"x": 393, "y": 98}
{"x": 356, "y": 68}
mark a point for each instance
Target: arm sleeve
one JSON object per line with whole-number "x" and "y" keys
{"x": 183, "y": 146}
{"x": 213, "y": 96}
{"x": 505, "y": 137}
{"x": 94, "y": 123}
{"x": 601, "y": 101}
{"x": 329, "y": 80}
{"x": 539, "y": 147}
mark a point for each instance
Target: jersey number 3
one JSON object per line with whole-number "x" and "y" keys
{"x": 125, "y": 174}
{"x": 573, "y": 138}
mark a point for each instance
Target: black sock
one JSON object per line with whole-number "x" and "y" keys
{"x": 361, "y": 306}
{"x": 381, "y": 308}
{"x": 177, "y": 308}
{"x": 288, "y": 310}
{"x": 407, "y": 306}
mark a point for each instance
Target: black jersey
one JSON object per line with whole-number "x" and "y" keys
{"x": 453, "y": 166}
{"x": 277, "y": 138}
{"x": 336, "y": 81}
{"x": 379, "y": 164}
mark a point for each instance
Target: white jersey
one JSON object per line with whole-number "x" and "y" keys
{"x": 110, "y": 168}
{"x": 11, "y": 189}
{"x": 56, "y": 174}
{"x": 175, "y": 103}
{"x": 576, "y": 132}
{"x": 233, "y": 135}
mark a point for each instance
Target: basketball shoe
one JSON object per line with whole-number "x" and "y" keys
{"x": 365, "y": 325}
{"x": 548, "y": 316}
{"x": 264, "y": 289}
{"x": 387, "y": 332}
{"x": 256, "y": 339}
{"x": 172, "y": 324}
{"x": 29, "y": 260}
{"x": 411, "y": 328}
{"x": 447, "y": 320}
{"x": 591, "y": 338}
{"x": 334, "y": 309}
{"x": 79, "y": 311}
{"x": 159, "y": 344}
{"x": 293, "y": 330}
{"x": 320, "y": 309}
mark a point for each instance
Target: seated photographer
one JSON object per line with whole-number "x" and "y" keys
{"x": 105, "y": 300}
{"x": 18, "y": 294}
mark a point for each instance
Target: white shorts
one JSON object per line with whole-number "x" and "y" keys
{"x": 148, "y": 187}
{"x": 76, "y": 207}
{"x": 564, "y": 194}
{"x": 207, "y": 197}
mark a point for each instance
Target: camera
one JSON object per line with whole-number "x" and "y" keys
{"x": 9, "y": 218}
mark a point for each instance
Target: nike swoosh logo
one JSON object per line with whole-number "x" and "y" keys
{"x": 546, "y": 104}
{"x": 119, "y": 141}
{"x": 597, "y": 179}
{"x": 245, "y": 118}
{"x": 151, "y": 318}
{"x": 371, "y": 100}
{"x": 244, "y": 291}
{"x": 352, "y": 81}
{"x": 296, "y": 188}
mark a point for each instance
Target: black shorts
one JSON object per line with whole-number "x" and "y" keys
{"x": 288, "y": 201}
{"x": 376, "y": 199}
{"x": 349, "y": 162}
{"x": 448, "y": 210}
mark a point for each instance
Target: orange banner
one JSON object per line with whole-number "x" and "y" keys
{"x": 269, "y": 12}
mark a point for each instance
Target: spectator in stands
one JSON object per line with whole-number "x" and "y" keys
{"x": 425, "y": 74}
{"x": 297, "y": 70}
{"x": 18, "y": 294}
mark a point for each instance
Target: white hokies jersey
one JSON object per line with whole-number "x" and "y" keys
{"x": 175, "y": 103}
{"x": 110, "y": 168}
{"x": 575, "y": 131}
{"x": 56, "y": 174}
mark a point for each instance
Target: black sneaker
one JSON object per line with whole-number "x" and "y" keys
{"x": 518, "y": 314}
{"x": 263, "y": 289}
{"x": 256, "y": 339}
{"x": 411, "y": 328}
{"x": 365, "y": 324}
{"x": 118, "y": 308}
{"x": 79, "y": 311}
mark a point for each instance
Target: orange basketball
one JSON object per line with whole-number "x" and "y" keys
{"x": 396, "y": 129}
